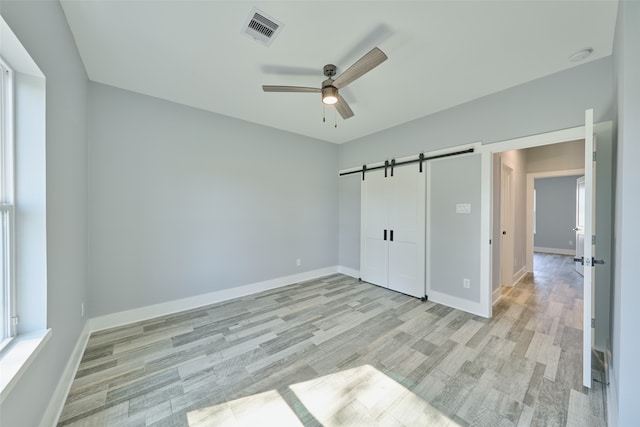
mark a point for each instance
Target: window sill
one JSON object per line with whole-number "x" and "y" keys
{"x": 16, "y": 358}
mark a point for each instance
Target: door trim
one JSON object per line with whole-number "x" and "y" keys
{"x": 487, "y": 151}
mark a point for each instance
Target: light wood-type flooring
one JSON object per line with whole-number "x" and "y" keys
{"x": 336, "y": 352}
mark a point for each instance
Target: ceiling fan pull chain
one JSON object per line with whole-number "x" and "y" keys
{"x": 335, "y": 119}
{"x": 324, "y": 114}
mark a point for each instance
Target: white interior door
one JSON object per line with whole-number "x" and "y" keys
{"x": 374, "y": 243}
{"x": 506, "y": 224}
{"x": 579, "y": 228}
{"x": 589, "y": 246}
{"x": 407, "y": 231}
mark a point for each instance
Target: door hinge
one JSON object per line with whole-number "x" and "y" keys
{"x": 594, "y": 156}
{"x": 593, "y": 323}
{"x": 14, "y": 321}
{"x": 593, "y": 239}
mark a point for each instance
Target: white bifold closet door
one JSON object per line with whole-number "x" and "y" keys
{"x": 392, "y": 251}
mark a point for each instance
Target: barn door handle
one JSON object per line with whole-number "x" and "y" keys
{"x": 385, "y": 235}
{"x": 391, "y": 236}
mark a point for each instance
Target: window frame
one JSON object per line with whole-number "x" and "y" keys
{"x": 8, "y": 320}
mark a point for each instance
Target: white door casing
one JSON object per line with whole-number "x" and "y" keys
{"x": 589, "y": 247}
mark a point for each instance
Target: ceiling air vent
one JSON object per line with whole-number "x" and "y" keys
{"x": 262, "y": 27}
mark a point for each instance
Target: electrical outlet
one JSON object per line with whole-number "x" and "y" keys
{"x": 298, "y": 262}
{"x": 82, "y": 309}
{"x": 466, "y": 283}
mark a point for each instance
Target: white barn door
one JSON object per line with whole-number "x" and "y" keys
{"x": 374, "y": 246}
{"x": 407, "y": 224}
{"x": 393, "y": 229}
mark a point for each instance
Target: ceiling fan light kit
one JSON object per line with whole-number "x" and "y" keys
{"x": 329, "y": 95}
{"x": 330, "y": 87}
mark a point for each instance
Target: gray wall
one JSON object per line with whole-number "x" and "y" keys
{"x": 555, "y": 102}
{"x": 555, "y": 212}
{"x": 556, "y": 157}
{"x": 185, "y": 202}
{"x": 349, "y": 217}
{"x": 626, "y": 292}
{"x": 455, "y": 241}
{"x": 42, "y": 29}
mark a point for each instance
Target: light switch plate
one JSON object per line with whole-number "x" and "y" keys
{"x": 463, "y": 208}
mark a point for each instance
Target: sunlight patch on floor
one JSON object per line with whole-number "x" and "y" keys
{"x": 354, "y": 397}
{"x": 365, "y": 396}
{"x": 263, "y": 409}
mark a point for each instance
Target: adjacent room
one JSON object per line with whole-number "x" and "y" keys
{"x": 318, "y": 213}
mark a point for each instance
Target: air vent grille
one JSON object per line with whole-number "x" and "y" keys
{"x": 262, "y": 27}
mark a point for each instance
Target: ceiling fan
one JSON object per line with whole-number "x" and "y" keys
{"x": 330, "y": 87}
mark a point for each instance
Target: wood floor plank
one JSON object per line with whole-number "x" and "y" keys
{"x": 337, "y": 351}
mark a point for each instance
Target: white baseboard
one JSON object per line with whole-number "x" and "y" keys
{"x": 554, "y": 251}
{"x": 169, "y": 307}
{"x": 56, "y": 404}
{"x": 519, "y": 275}
{"x": 53, "y": 411}
{"x": 497, "y": 295}
{"x": 458, "y": 303}
{"x": 349, "y": 271}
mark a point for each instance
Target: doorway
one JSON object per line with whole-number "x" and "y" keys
{"x": 560, "y": 149}
{"x": 585, "y": 133}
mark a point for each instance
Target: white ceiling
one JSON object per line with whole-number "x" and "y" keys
{"x": 441, "y": 54}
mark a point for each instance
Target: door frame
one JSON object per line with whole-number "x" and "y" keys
{"x": 584, "y": 132}
{"x": 531, "y": 177}
{"x": 487, "y": 197}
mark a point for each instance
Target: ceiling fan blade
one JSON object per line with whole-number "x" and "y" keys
{"x": 268, "y": 88}
{"x": 362, "y": 66}
{"x": 343, "y": 108}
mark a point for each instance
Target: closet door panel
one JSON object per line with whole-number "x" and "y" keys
{"x": 374, "y": 252}
{"x": 407, "y": 220}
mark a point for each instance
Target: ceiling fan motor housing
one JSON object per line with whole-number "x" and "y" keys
{"x": 329, "y": 70}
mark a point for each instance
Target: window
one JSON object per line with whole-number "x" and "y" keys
{"x": 7, "y": 295}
